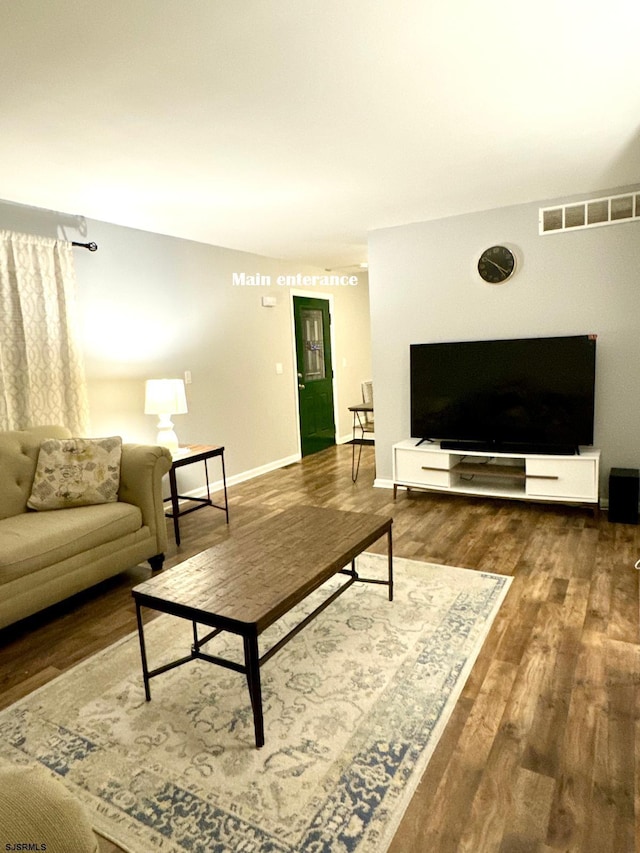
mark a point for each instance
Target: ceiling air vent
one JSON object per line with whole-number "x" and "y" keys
{"x": 589, "y": 214}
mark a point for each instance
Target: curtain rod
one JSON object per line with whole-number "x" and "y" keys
{"x": 92, "y": 247}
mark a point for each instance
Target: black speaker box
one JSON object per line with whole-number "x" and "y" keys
{"x": 623, "y": 495}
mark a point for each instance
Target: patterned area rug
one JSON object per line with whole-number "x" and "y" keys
{"x": 353, "y": 708}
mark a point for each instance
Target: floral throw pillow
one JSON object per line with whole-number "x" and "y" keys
{"x": 76, "y": 472}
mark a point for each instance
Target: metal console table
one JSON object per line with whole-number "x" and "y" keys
{"x": 187, "y": 456}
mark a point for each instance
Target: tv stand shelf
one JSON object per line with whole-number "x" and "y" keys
{"x": 539, "y": 477}
{"x": 490, "y": 470}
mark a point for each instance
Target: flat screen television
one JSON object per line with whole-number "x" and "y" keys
{"x": 530, "y": 395}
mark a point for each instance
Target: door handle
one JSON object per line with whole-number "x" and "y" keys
{"x": 301, "y": 387}
{"x": 299, "y": 376}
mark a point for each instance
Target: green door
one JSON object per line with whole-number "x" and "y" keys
{"x": 315, "y": 373}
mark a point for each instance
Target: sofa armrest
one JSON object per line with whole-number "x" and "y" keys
{"x": 141, "y": 471}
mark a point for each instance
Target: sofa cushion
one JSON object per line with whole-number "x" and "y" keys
{"x": 35, "y": 804}
{"x": 34, "y": 540}
{"x": 74, "y": 472}
{"x": 18, "y": 456}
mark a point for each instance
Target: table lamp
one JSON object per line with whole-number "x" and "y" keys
{"x": 165, "y": 397}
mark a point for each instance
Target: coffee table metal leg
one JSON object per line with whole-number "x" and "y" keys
{"x": 252, "y": 662}
{"x": 354, "y": 571}
{"x": 143, "y": 654}
{"x": 390, "y": 558}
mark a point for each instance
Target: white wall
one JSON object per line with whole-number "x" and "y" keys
{"x": 424, "y": 287}
{"x": 154, "y": 306}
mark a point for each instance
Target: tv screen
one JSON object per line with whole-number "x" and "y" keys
{"x": 529, "y": 394}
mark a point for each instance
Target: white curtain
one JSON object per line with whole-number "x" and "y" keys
{"x": 41, "y": 368}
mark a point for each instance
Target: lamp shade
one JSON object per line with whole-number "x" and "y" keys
{"x": 165, "y": 397}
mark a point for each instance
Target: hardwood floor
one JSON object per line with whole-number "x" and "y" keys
{"x": 542, "y": 752}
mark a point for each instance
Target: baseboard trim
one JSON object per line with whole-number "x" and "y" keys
{"x": 217, "y": 485}
{"x": 380, "y": 483}
{"x": 345, "y": 439}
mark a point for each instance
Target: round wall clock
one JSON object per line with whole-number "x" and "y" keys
{"x": 496, "y": 264}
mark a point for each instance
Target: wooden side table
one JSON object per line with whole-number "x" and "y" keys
{"x": 187, "y": 456}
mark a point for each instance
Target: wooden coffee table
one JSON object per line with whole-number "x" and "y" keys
{"x": 256, "y": 576}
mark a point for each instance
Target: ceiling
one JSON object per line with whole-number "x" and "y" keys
{"x": 291, "y": 128}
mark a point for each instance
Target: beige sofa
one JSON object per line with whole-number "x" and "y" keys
{"x": 47, "y": 556}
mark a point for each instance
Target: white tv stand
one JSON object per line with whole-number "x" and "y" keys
{"x": 523, "y": 476}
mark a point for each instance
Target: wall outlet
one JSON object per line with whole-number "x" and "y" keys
{"x": 187, "y": 377}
